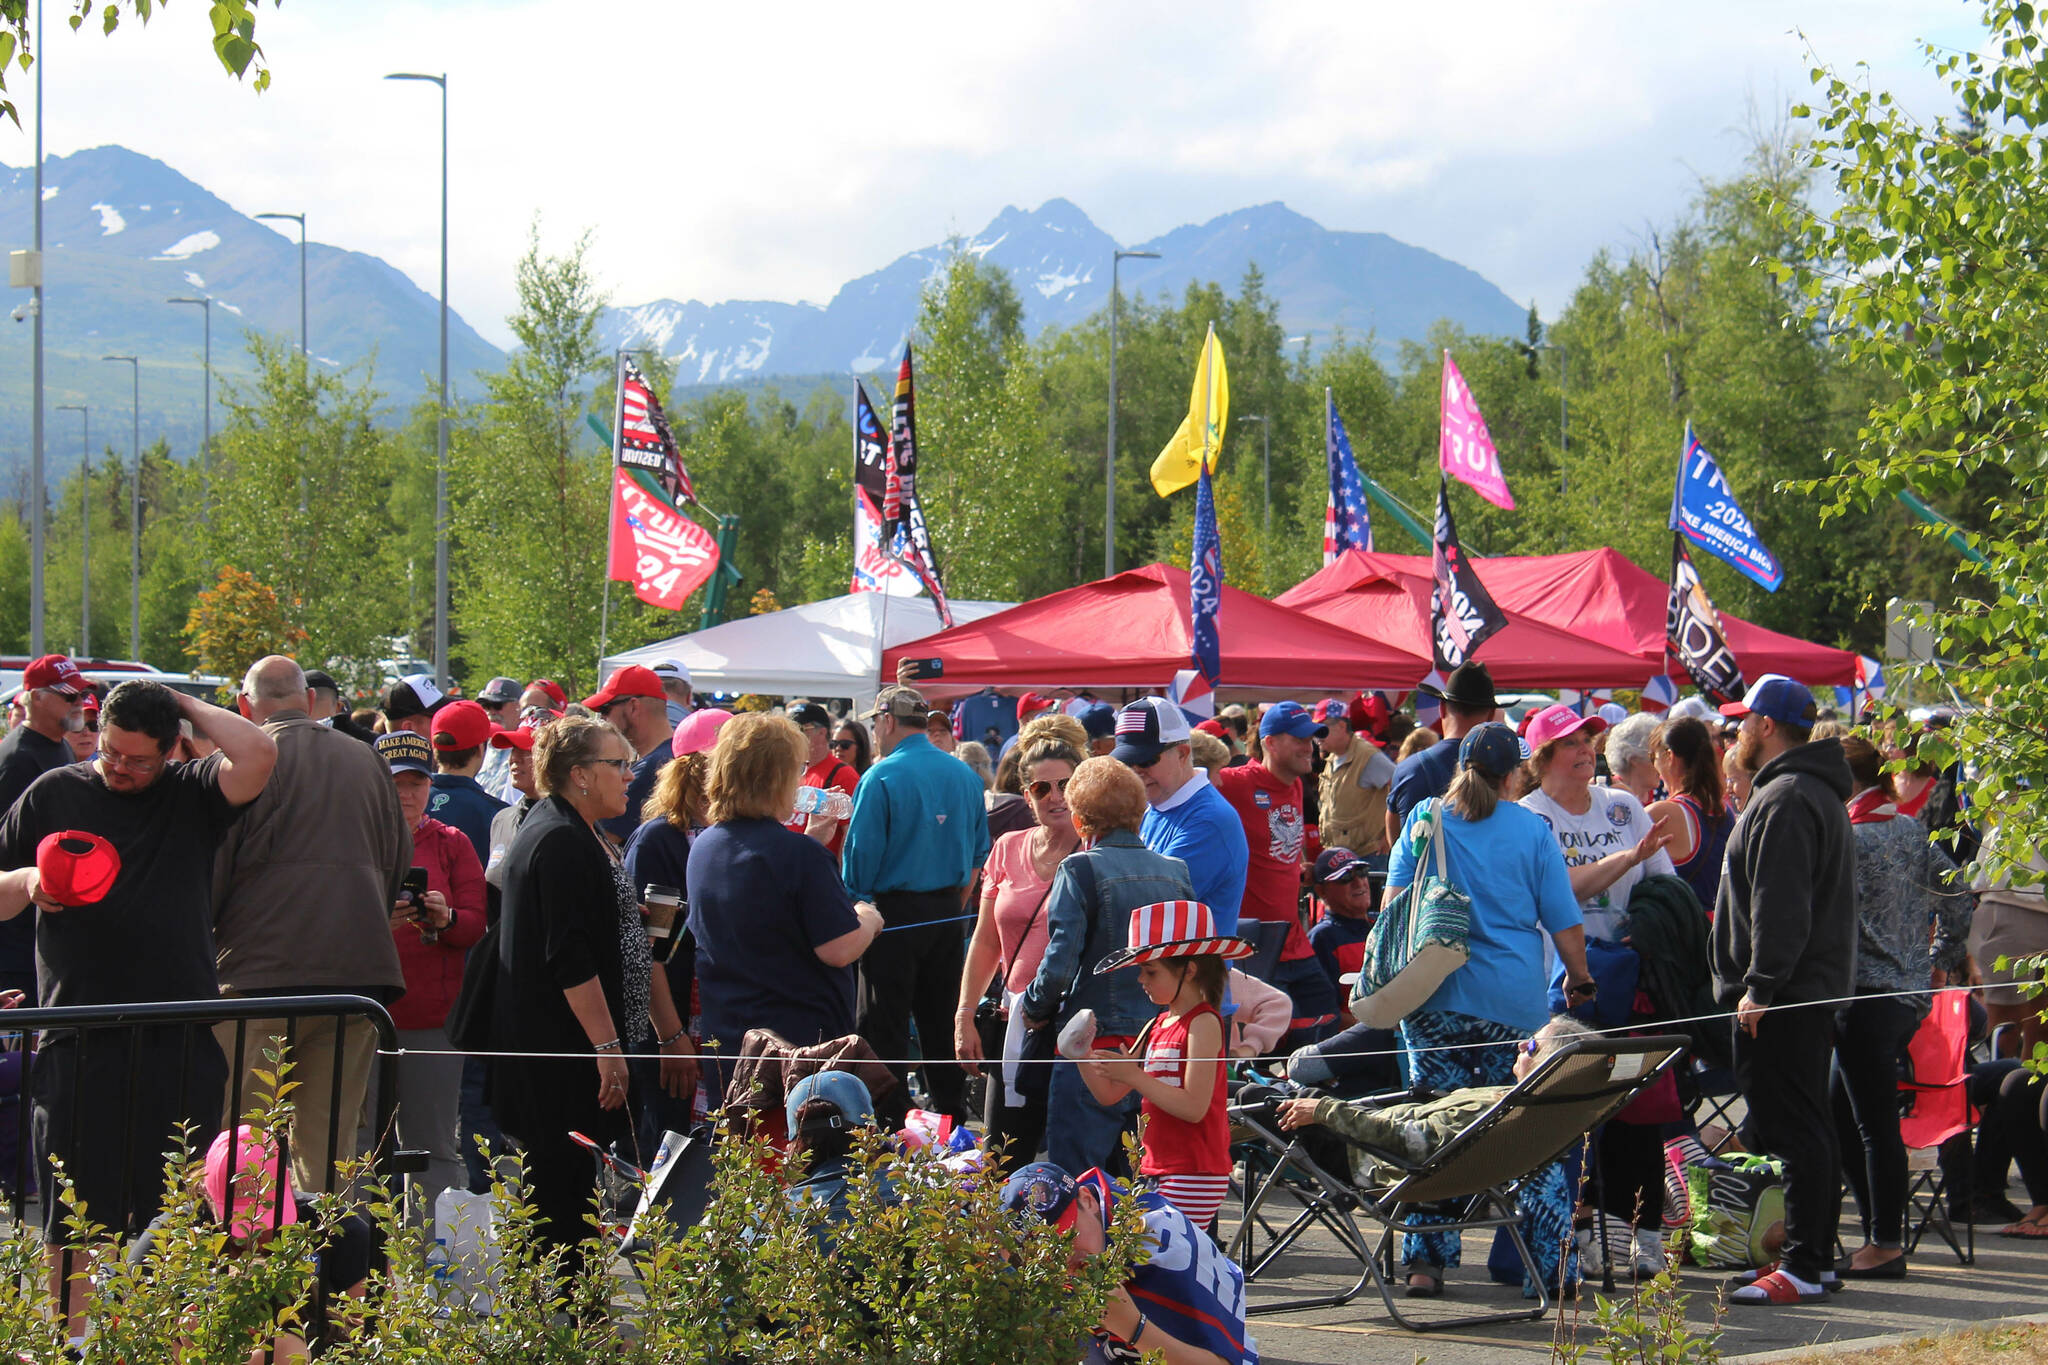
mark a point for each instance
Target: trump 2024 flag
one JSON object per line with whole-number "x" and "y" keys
{"x": 1705, "y": 512}
{"x": 1205, "y": 584}
{"x": 1462, "y": 613}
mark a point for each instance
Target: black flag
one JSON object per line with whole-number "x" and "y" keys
{"x": 1462, "y": 615}
{"x": 1692, "y": 632}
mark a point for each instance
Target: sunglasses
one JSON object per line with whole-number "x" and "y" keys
{"x": 1045, "y": 787}
{"x": 623, "y": 765}
{"x": 842, "y": 744}
{"x": 1530, "y": 1047}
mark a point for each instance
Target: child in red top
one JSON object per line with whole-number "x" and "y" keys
{"x": 1186, "y": 1132}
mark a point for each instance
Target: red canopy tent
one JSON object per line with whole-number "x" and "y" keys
{"x": 1133, "y": 631}
{"x": 1386, "y": 597}
{"x": 1601, "y": 595}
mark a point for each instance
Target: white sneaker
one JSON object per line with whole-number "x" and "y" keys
{"x": 1592, "y": 1258}
{"x": 1649, "y": 1253}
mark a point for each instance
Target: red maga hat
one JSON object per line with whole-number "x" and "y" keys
{"x": 76, "y": 868}
{"x": 462, "y": 725}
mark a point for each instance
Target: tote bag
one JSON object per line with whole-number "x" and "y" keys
{"x": 1419, "y": 939}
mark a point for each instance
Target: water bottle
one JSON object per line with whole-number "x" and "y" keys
{"x": 440, "y": 1269}
{"x": 829, "y": 801}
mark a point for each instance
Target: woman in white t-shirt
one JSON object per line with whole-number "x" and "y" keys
{"x": 1609, "y": 842}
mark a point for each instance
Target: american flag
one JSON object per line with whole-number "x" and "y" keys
{"x": 1347, "y": 520}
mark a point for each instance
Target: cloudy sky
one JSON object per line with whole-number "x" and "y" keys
{"x": 776, "y": 150}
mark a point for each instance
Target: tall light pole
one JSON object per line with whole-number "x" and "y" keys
{"x": 440, "y": 426}
{"x": 84, "y": 526}
{"x": 206, "y": 442}
{"x": 134, "y": 507}
{"x": 1266, "y": 465}
{"x": 1116, "y": 259}
{"x": 35, "y": 482}
{"x": 300, "y": 219}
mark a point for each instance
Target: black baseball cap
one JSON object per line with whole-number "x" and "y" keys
{"x": 809, "y": 713}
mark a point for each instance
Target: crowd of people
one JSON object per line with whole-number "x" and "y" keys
{"x": 661, "y": 890}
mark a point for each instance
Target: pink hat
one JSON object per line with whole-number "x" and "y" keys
{"x": 1173, "y": 929}
{"x": 1555, "y": 722}
{"x": 698, "y": 732}
{"x": 259, "y": 1170}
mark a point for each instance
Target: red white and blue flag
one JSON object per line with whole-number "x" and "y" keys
{"x": 1205, "y": 584}
{"x": 878, "y": 557}
{"x": 1347, "y": 520}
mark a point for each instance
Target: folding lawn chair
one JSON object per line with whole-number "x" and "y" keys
{"x": 1937, "y": 1108}
{"x": 1478, "y": 1173}
{"x": 1268, "y": 937}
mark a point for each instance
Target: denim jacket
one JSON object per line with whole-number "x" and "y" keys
{"x": 1085, "y": 924}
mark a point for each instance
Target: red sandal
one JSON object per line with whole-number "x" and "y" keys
{"x": 1776, "y": 1290}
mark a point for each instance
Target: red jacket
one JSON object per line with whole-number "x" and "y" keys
{"x": 433, "y": 971}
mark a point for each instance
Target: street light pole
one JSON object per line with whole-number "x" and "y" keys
{"x": 206, "y": 441}
{"x": 1266, "y": 463}
{"x": 300, "y": 219}
{"x": 1116, "y": 259}
{"x": 35, "y": 492}
{"x": 441, "y": 426}
{"x": 134, "y": 508}
{"x": 84, "y": 526}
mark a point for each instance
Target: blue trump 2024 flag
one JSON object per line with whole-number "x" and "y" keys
{"x": 1705, "y": 512}
{"x": 1205, "y": 584}
{"x": 1347, "y": 520}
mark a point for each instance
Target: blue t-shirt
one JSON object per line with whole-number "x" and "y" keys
{"x": 1339, "y": 943}
{"x": 1189, "y": 1287}
{"x": 918, "y": 824}
{"x": 1205, "y": 833}
{"x": 1422, "y": 776}
{"x": 460, "y": 802}
{"x": 1509, "y": 865}
{"x": 761, "y": 901}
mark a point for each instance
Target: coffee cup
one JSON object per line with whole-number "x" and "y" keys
{"x": 663, "y": 904}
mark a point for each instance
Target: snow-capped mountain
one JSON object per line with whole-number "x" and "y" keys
{"x": 1324, "y": 280}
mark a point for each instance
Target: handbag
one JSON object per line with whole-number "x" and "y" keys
{"x": 1420, "y": 938}
{"x": 992, "y": 1023}
{"x": 468, "y": 1025}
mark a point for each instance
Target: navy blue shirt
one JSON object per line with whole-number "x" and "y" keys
{"x": 645, "y": 770}
{"x": 761, "y": 901}
{"x": 1422, "y": 776}
{"x": 460, "y": 802}
{"x": 1339, "y": 943}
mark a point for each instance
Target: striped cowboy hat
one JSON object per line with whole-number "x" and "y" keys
{"x": 1173, "y": 929}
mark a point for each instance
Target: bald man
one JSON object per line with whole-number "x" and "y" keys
{"x": 303, "y": 890}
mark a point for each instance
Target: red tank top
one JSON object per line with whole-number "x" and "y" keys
{"x": 1174, "y": 1146}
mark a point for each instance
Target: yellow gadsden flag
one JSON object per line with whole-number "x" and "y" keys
{"x": 1200, "y": 437}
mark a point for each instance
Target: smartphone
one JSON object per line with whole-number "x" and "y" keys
{"x": 415, "y": 886}
{"x": 922, "y": 670}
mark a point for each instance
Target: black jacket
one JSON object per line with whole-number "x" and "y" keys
{"x": 1785, "y": 919}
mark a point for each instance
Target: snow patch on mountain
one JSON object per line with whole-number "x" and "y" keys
{"x": 1059, "y": 281}
{"x": 111, "y": 220}
{"x": 654, "y": 323}
{"x": 190, "y": 245}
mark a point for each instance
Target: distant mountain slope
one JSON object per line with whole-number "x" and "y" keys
{"x": 1324, "y": 280}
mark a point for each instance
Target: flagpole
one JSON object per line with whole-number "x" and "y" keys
{"x": 611, "y": 491}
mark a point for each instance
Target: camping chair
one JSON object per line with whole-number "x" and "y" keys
{"x": 1577, "y": 1087}
{"x": 1267, "y": 937}
{"x": 1936, "y": 1109}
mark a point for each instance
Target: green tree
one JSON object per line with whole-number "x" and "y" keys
{"x": 234, "y": 36}
{"x": 1927, "y": 270}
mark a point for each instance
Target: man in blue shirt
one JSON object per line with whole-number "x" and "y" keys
{"x": 916, "y": 839}
{"x": 461, "y": 729}
{"x": 1468, "y": 702}
{"x": 1189, "y": 819}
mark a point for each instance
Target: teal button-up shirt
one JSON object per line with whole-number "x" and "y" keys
{"x": 918, "y": 823}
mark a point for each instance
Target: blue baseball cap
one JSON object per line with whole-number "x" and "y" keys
{"x": 1098, "y": 718}
{"x": 1147, "y": 728}
{"x": 1493, "y": 748}
{"x": 1778, "y": 697}
{"x": 1290, "y": 718}
{"x": 1047, "y": 1193}
{"x": 841, "y": 1089}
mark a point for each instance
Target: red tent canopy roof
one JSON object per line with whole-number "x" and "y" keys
{"x": 1601, "y": 595}
{"x": 1386, "y": 597}
{"x": 1133, "y": 631}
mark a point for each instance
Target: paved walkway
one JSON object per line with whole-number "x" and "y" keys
{"x": 2009, "y": 1279}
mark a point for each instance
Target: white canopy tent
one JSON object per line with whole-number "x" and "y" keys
{"x": 831, "y": 648}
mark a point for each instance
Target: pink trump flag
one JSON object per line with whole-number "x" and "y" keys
{"x": 1465, "y": 450}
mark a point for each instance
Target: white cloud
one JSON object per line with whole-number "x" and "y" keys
{"x": 775, "y": 152}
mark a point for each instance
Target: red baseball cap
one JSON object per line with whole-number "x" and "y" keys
{"x": 553, "y": 689}
{"x": 462, "y": 725}
{"x": 1030, "y": 704}
{"x": 56, "y": 672}
{"x": 520, "y": 739}
{"x": 630, "y": 681}
{"x": 76, "y": 868}
{"x": 1214, "y": 727}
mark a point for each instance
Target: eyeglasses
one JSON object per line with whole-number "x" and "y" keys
{"x": 123, "y": 763}
{"x": 623, "y": 765}
{"x": 1045, "y": 787}
{"x": 842, "y": 744}
{"x": 1146, "y": 766}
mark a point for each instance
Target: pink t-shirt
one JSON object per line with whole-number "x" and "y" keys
{"x": 1020, "y": 905}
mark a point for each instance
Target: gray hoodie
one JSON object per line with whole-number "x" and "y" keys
{"x": 1785, "y": 918}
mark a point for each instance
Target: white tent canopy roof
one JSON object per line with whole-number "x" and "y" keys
{"x": 831, "y": 648}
